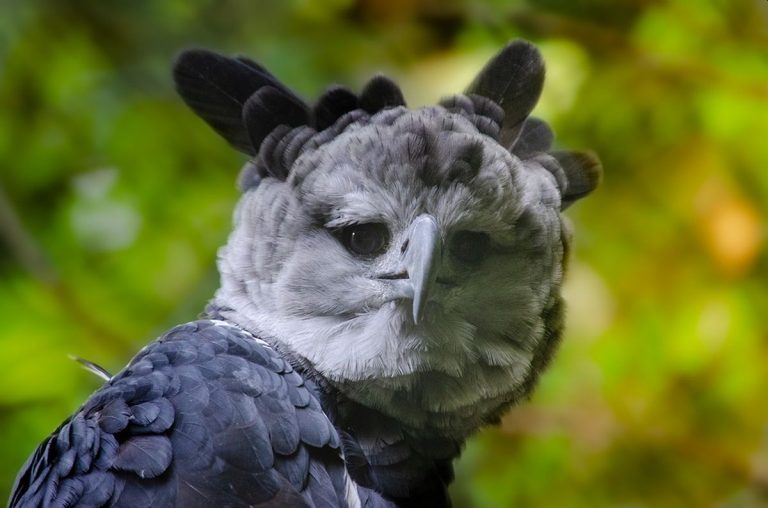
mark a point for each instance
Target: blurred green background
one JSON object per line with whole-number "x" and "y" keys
{"x": 114, "y": 199}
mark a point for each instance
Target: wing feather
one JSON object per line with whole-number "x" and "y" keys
{"x": 207, "y": 415}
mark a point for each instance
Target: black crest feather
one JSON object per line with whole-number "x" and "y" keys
{"x": 380, "y": 93}
{"x": 261, "y": 117}
{"x": 583, "y": 172}
{"x": 536, "y": 136}
{"x": 270, "y": 107}
{"x": 217, "y": 87}
{"x": 513, "y": 79}
{"x": 334, "y": 103}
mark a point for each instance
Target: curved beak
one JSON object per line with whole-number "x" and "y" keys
{"x": 422, "y": 259}
{"x": 421, "y": 253}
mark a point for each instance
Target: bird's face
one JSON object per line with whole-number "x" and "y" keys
{"x": 408, "y": 258}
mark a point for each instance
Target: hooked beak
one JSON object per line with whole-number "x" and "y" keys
{"x": 421, "y": 254}
{"x": 422, "y": 259}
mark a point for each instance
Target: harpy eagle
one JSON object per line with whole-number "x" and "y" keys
{"x": 391, "y": 284}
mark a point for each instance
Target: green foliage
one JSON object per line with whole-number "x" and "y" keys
{"x": 114, "y": 199}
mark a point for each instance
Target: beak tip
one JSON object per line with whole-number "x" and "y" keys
{"x": 422, "y": 261}
{"x": 418, "y": 310}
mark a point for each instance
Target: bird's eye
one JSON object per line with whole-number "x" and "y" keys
{"x": 366, "y": 240}
{"x": 470, "y": 247}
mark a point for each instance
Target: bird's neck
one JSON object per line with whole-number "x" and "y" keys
{"x": 382, "y": 454}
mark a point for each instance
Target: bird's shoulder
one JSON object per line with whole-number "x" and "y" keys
{"x": 206, "y": 414}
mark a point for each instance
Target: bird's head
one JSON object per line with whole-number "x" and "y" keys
{"x": 413, "y": 258}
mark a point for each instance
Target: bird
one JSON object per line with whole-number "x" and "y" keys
{"x": 391, "y": 284}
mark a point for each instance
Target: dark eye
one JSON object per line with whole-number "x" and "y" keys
{"x": 470, "y": 247}
{"x": 365, "y": 239}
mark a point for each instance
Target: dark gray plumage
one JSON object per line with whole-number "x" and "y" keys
{"x": 392, "y": 283}
{"x": 207, "y": 415}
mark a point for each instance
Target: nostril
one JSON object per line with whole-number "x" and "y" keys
{"x": 394, "y": 276}
{"x": 404, "y": 247}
